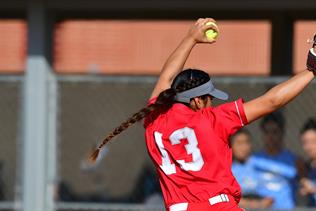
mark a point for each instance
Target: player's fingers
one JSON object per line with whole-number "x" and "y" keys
{"x": 206, "y": 20}
{"x": 210, "y": 20}
{"x": 199, "y": 21}
{"x": 209, "y": 25}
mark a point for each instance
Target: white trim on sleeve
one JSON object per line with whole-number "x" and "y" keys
{"x": 239, "y": 114}
{"x": 218, "y": 199}
{"x": 179, "y": 207}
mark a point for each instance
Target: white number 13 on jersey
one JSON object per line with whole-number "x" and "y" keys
{"x": 191, "y": 149}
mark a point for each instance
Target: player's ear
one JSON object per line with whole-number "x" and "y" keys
{"x": 196, "y": 103}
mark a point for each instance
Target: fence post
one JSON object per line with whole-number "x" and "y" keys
{"x": 39, "y": 114}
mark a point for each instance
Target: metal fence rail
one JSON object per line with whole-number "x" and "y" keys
{"x": 69, "y": 206}
{"x": 133, "y": 207}
{"x": 109, "y": 207}
{"x": 9, "y": 205}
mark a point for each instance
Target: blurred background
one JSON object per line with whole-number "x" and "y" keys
{"x": 70, "y": 71}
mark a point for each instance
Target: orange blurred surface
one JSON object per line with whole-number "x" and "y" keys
{"x": 13, "y": 41}
{"x": 101, "y": 47}
{"x": 303, "y": 30}
{"x": 141, "y": 47}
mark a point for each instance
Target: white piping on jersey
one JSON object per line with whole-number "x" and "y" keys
{"x": 242, "y": 124}
{"x": 212, "y": 201}
{"x": 179, "y": 207}
{"x": 218, "y": 199}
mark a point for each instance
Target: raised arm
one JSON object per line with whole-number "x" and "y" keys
{"x": 178, "y": 57}
{"x": 282, "y": 93}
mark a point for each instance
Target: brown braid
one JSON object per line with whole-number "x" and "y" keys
{"x": 191, "y": 84}
{"x": 165, "y": 99}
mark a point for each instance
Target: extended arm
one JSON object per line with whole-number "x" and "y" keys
{"x": 281, "y": 94}
{"x": 278, "y": 96}
{"x": 177, "y": 59}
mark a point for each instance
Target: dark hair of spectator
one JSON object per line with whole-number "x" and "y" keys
{"x": 310, "y": 124}
{"x": 241, "y": 131}
{"x": 276, "y": 117}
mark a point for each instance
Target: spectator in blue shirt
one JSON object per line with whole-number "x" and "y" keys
{"x": 244, "y": 171}
{"x": 279, "y": 169}
{"x": 308, "y": 140}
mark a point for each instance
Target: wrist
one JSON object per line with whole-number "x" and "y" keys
{"x": 190, "y": 39}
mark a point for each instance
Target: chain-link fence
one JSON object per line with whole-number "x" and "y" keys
{"x": 10, "y": 113}
{"x": 88, "y": 108}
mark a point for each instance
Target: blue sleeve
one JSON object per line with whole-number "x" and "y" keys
{"x": 274, "y": 167}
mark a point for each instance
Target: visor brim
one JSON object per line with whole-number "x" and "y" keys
{"x": 219, "y": 94}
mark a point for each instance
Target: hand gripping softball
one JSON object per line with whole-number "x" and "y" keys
{"x": 311, "y": 58}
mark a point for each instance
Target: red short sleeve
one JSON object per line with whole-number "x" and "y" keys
{"x": 230, "y": 117}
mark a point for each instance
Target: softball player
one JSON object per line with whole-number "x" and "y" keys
{"x": 188, "y": 139}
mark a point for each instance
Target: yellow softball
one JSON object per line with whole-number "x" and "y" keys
{"x": 211, "y": 33}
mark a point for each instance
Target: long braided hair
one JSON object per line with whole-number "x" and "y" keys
{"x": 185, "y": 80}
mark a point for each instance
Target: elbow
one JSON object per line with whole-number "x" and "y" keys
{"x": 275, "y": 102}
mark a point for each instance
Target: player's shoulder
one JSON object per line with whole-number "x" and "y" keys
{"x": 230, "y": 105}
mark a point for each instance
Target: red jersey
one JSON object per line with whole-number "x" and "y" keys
{"x": 191, "y": 150}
